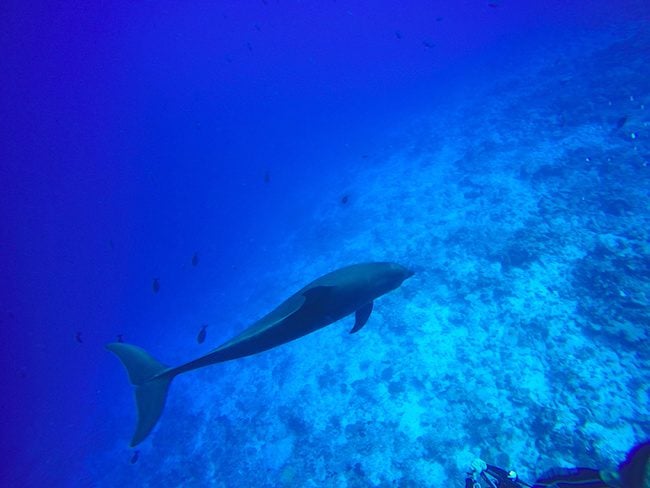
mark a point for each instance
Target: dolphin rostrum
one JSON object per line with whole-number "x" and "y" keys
{"x": 324, "y": 301}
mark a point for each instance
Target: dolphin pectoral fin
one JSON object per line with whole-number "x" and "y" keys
{"x": 361, "y": 317}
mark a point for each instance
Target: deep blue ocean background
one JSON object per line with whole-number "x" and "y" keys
{"x": 499, "y": 148}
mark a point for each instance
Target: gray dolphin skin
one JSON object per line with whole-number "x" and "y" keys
{"x": 331, "y": 297}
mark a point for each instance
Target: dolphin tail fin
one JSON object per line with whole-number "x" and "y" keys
{"x": 150, "y": 380}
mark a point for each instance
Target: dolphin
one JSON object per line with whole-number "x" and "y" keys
{"x": 331, "y": 297}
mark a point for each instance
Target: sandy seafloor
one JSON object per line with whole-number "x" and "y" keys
{"x": 522, "y": 339}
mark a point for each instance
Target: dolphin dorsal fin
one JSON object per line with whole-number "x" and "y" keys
{"x": 361, "y": 317}
{"x": 318, "y": 292}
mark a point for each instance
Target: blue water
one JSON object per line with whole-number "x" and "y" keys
{"x": 501, "y": 149}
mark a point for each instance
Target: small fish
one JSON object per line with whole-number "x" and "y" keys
{"x": 438, "y": 19}
{"x": 345, "y": 199}
{"x": 202, "y": 333}
{"x": 195, "y": 259}
{"x": 135, "y": 457}
{"x": 621, "y": 122}
{"x": 428, "y": 44}
{"x": 398, "y": 34}
{"x": 493, "y": 5}
{"x": 267, "y": 177}
{"x": 156, "y": 285}
{"x": 249, "y": 46}
{"x": 77, "y": 337}
{"x": 120, "y": 337}
{"x": 257, "y": 27}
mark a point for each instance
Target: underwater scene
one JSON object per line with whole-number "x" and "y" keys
{"x": 284, "y": 243}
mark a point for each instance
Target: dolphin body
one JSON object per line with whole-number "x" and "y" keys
{"x": 325, "y": 300}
